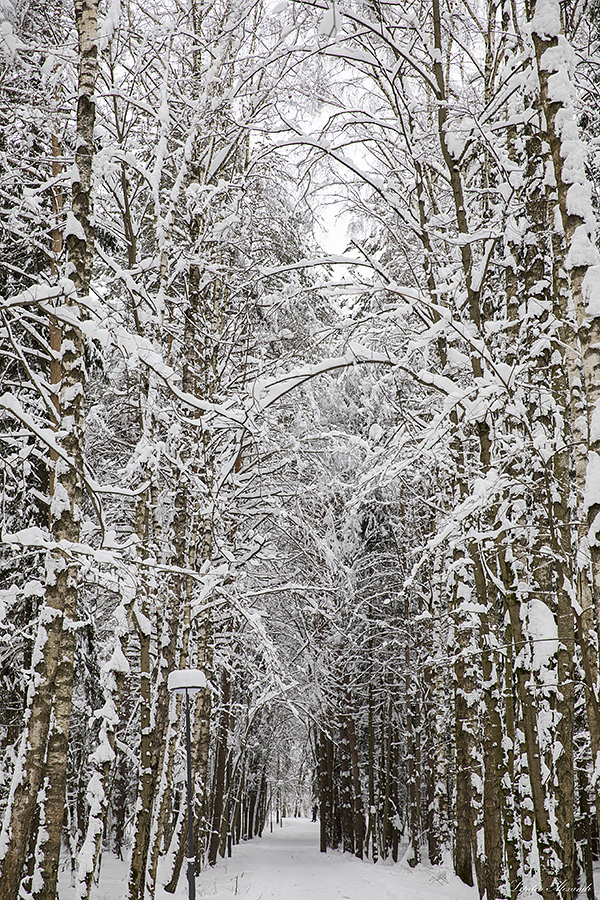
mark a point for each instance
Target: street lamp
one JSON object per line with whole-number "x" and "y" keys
{"x": 187, "y": 681}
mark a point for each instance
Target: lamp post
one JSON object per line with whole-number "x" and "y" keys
{"x": 187, "y": 681}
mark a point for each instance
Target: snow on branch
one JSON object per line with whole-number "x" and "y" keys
{"x": 268, "y": 392}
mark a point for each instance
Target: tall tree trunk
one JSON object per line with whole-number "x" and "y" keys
{"x": 372, "y": 837}
{"x": 325, "y": 794}
{"x": 554, "y": 63}
{"x": 412, "y": 744}
{"x": 43, "y": 763}
{"x": 465, "y": 750}
{"x": 346, "y": 788}
{"x": 137, "y": 866}
{"x": 220, "y": 774}
{"x": 359, "y": 816}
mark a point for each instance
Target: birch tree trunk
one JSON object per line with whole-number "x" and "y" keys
{"x": 41, "y": 774}
{"x": 555, "y": 61}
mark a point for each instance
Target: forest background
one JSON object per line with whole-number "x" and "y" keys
{"x": 360, "y": 491}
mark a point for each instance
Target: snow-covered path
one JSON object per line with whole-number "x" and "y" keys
{"x": 286, "y": 865}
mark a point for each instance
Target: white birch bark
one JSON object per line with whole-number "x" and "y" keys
{"x": 555, "y": 62}
{"x": 41, "y": 772}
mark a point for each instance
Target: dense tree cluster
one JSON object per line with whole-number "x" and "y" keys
{"x": 359, "y": 490}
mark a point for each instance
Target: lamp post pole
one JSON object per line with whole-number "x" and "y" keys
{"x": 190, "y": 800}
{"x": 188, "y": 681}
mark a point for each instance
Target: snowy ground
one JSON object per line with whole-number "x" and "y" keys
{"x": 287, "y": 865}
